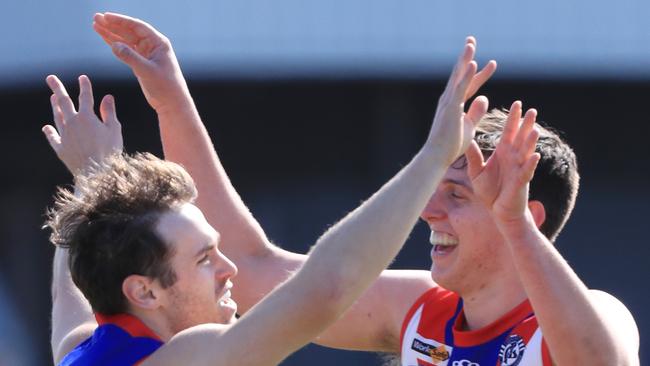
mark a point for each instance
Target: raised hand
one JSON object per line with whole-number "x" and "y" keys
{"x": 502, "y": 182}
{"x": 148, "y": 53}
{"x": 80, "y": 137}
{"x": 452, "y": 129}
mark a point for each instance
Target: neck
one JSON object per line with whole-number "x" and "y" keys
{"x": 154, "y": 321}
{"x": 488, "y": 303}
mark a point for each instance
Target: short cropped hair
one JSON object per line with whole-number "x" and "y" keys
{"x": 556, "y": 180}
{"x": 108, "y": 225}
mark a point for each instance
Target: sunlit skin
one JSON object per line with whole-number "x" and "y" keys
{"x": 481, "y": 256}
{"x": 201, "y": 293}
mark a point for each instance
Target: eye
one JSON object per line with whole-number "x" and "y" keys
{"x": 204, "y": 260}
{"x": 456, "y": 195}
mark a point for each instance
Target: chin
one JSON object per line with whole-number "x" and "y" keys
{"x": 444, "y": 279}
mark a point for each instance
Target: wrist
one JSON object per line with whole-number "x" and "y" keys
{"x": 175, "y": 104}
{"x": 516, "y": 228}
{"x": 436, "y": 155}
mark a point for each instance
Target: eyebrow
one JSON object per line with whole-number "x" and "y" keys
{"x": 458, "y": 183}
{"x": 204, "y": 249}
{"x": 209, "y": 246}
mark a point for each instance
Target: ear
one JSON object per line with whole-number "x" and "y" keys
{"x": 539, "y": 212}
{"x": 141, "y": 292}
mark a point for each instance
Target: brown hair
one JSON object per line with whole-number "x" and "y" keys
{"x": 556, "y": 180}
{"x": 108, "y": 225}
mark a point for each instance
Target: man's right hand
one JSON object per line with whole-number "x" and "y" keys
{"x": 80, "y": 137}
{"x": 452, "y": 129}
{"x": 149, "y": 54}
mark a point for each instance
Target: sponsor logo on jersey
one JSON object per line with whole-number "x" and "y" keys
{"x": 512, "y": 351}
{"x": 437, "y": 353}
{"x": 464, "y": 363}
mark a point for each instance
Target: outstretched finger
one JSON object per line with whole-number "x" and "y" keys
{"x": 86, "y": 99}
{"x": 129, "y": 56}
{"x": 477, "y": 109}
{"x": 53, "y": 137}
{"x": 481, "y": 78}
{"x": 129, "y": 27}
{"x": 108, "y": 111}
{"x": 115, "y": 32}
{"x": 459, "y": 90}
{"x": 63, "y": 100}
{"x": 108, "y": 36}
{"x": 475, "y": 162}
{"x": 526, "y": 127}
{"x": 468, "y": 55}
{"x": 57, "y": 114}
{"x": 461, "y": 64}
{"x": 528, "y": 169}
{"x": 512, "y": 123}
{"x": 528, "y": 146}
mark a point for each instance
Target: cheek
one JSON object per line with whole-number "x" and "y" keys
{"x": 474, "y": 227}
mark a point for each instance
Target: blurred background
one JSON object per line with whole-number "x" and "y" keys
{"x": 313, "y": 105}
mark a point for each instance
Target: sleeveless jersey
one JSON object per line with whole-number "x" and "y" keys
{"x": 431, "y": 335}
{"x": 119, "y": 340}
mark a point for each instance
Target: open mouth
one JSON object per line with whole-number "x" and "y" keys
{"x": 443, "y": 249}
{"x": 225, "y": 299}
{"x": 443, "y": 243}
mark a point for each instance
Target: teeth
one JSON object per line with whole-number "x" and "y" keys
{"x": 444, "y": 239}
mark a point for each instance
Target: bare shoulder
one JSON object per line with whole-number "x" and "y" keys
{"x": 613, "y": 307}
{"x": 618, "y": 318}
{"x": 73, "y": 339}
{"x": 401, "y": 288}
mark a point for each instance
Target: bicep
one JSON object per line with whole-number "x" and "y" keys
{"x": 374, "y": 322}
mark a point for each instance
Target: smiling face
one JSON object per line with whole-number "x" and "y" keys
{"x": 201, "y": 293}
{"x": 468, "y": 251}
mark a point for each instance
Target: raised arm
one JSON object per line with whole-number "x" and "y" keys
{"x": 184, "y": 137}
{"x": 78, "y": 139}
{"x": 262, "y": 266}
{"x": 580, "y": 327}
{"x": 349, "y": 256}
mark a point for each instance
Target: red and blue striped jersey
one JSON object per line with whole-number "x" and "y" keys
{"x": 119, "y": 340}
{"x": 432, "y": 335}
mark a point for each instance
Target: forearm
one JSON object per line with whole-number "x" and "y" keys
{"x": 186, "y": 141}
{"x": 576, "y": 330}
{"x": 351, "y": 254}
{"x": 344, "y": 262}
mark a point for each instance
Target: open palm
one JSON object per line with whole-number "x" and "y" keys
{"x": 502, "y": 182}
{"x": 149, "y": 54}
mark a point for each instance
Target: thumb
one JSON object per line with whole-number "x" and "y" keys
{"x": 52, "y": 137}
{"x": 107, "y": 110}
{"x": 474, "y": 158}
{"x": 128, "y": 55}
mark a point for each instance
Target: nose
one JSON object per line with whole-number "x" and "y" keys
{"x": 227, "y": 268}
{"x": 434, "y": 210}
